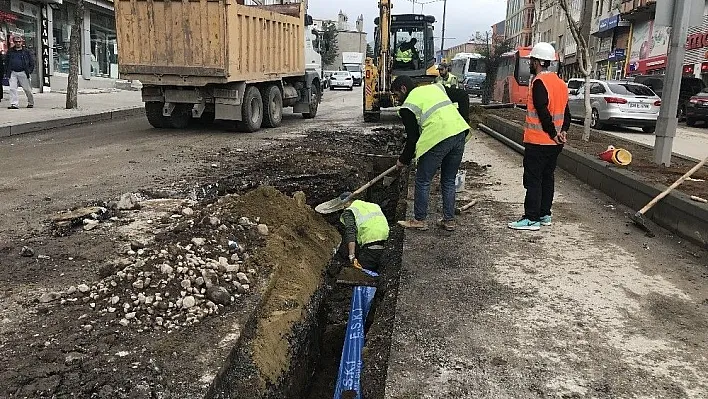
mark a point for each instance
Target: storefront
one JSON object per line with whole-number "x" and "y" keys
{"x": 696, "y": 60}
{"x": 99, "y": 47}
{"x": 612, "y": 39}
{"x": 649, "y": 45}
{"x": 23, "y": 19}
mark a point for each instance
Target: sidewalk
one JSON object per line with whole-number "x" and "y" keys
{"x": 50, "y": 112}
{"x": 689, "y": 141}
{"x": 587, "y": 308}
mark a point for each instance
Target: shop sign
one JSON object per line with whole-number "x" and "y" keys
{"x": 697, "y": 40}
{"x": 24, "y": 8}
{"x": 609, "y": 23}
{"x": 45, "y": 48}
{"x": 617, "y": 54}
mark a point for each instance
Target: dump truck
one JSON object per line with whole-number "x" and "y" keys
{"x": 217, "y": 59}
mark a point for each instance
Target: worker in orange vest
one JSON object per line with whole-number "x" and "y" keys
{"x": 547, "y": 123}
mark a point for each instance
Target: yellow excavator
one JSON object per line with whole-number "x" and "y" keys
{"x": 403, "y": 45}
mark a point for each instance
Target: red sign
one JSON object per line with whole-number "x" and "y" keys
{"x": 643, "y": 66}
{"x": 688, "y": 69}
{"x": 697, "y": 40}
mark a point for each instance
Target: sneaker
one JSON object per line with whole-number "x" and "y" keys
{"x": 447, "y": 225}
{"x": 13, "y": 107}
{"x": 413, "y": 224}
{"x": 546, "y": 220}
{"x": 525, "y": 224}
{"x": 30, "y": 105}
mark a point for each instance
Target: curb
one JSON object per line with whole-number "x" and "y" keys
{"x": 676, "y": 212}
{"x": 31, "y": 127}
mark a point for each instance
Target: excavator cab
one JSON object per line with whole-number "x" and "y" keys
{"x": 413, "y": 49}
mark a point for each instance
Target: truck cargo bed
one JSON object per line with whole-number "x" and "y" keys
{"x": 197, "y": 42}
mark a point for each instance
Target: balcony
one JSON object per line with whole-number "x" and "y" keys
{"x": 637, "y": 10}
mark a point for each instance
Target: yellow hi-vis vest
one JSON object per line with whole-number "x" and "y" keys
{"x": 451, "y": 80}
{"x": 437, "y": 116}
{"x": 404, "y": 56}
{"x": 371, "y": 223}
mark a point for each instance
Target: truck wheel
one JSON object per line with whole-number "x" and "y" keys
{"x": 690, "y": 122}
{"x": 153, "y": 111}
{"x": 272, "y": 106}
{"x": 314, "y": 103}
{"x": 181, "y": 116}
{"x": 207, "y": 118}
{"x": 251, "y": 110}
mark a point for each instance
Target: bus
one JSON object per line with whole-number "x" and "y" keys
{"x": 464, "y": 65}
{"x": 514, "y": 76}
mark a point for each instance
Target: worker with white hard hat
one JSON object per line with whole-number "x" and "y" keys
{"x": 547, "y": 123}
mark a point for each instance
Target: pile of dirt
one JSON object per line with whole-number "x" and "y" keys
{"x": 298, "y": 250}
{"x": 642, "y": 157}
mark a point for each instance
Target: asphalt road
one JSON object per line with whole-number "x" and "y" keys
{"x": 59, "y": 169}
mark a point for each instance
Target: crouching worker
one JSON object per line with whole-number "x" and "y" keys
{"x": 365, "y": 233}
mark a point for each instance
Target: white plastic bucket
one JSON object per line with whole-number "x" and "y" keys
{"x": 460, "y": 181}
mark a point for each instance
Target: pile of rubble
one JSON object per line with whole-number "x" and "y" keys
{"x": 196, "y": 270}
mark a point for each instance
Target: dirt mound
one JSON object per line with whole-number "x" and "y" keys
{"x": 298, "y": 249}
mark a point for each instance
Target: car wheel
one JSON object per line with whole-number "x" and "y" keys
{"x": 595, "y": 120}
{"x": 690, "y": 122}
{"x": 649, "y": 129}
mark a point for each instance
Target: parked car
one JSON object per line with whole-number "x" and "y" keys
{"x": 617, "y": 103}
{"x": 474, "y": 85}
{"x": 697, "y": 108}
{"x": 575, "y": 83}
{"x": 690, "y": 86}
{"x": 341, "y": 79}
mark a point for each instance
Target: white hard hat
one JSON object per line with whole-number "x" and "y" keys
{"x": 543, "y": 51}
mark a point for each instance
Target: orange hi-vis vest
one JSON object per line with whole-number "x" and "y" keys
{"x": 557, "y": 101}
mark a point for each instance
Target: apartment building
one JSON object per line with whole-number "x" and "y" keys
{"x": 519, "y": 22}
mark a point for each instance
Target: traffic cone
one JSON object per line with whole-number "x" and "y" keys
{"x": 617, "y": 156}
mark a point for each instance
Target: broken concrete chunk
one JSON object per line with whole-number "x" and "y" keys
{"x": 128, "y": 201}
{"x": 262, "y": 229}
{"x": 27, "y": 252}
{"x": 198, "y": 241}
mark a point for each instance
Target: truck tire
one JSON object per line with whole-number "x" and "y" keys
{"x": 314, "y": 103}
{"x": 153, "y": 111}
{"x": 251, "y": 110}
{"x": 181, "y": 116}
{"x": 272, "y": 106}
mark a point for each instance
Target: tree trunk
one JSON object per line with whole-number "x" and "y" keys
{"x": 588, "y": 109}
{"x": 72, "y": 85}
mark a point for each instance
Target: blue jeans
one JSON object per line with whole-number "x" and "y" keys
{"x": 446, "y": 155}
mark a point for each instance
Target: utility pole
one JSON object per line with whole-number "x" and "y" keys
{"x": 667, "y": 122}
{"x": 442, "y": 39}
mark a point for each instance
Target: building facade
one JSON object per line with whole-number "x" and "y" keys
{"x": 498, "y": 30}
{"x": 348, "y": 39}
{"x": 581, "y": 12}
{"x": 649, "y": 44}
{"x": 46, "y": 29}
{"x": 696, "y": 61}
{"x": 519, "y": 22}
{"x": 472, "y": 46}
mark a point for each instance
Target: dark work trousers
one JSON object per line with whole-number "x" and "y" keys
{"x": 539, "y": 166}
{"x": 370, "y": 259}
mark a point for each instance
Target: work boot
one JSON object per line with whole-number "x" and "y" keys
{"x": 525, "y": 224}
{"x": 447, "y": 225}
{"x": 546, "y": 220}
{"x": 13, "y": 107}
{"x": 413, "y": 224}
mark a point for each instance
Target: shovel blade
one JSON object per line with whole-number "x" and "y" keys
{"x": 330, "y": 206}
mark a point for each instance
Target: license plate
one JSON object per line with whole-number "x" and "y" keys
{"x": 639, "y": 106}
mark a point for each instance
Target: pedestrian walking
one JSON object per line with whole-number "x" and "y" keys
{"x": 365, "y": 233}
{"x": 19, "y": 66}
{"x": 547, "y": 123}
{"x": 436, "y": 138}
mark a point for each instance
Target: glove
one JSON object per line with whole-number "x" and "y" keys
{"x": 356, "y": 264}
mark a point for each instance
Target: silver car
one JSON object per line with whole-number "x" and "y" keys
{"x": 617, "y": 103}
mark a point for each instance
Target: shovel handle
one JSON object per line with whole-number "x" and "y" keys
{"x": 673, "y": 186}
{"x": 371, "y": 182}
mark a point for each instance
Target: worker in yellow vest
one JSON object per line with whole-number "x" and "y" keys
{"x": 365, "y": 232}
{"x": 436, "y": 132}
{"x": 547, "y": 123}
{"x": 446, "y": 78}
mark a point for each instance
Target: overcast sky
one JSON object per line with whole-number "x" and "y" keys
{"x": 464, "y": 17}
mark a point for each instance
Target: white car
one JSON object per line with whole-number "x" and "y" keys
{"x": 341, "y": 79}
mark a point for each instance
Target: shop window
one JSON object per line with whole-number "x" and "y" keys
{"x": 104, "y": 46}
{"x": 63, "y": 20}
{"x": 23, "y": 24}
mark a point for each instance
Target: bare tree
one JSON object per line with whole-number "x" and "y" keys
{"x": 72, "y": 84}
{"x": 584, "y": 61}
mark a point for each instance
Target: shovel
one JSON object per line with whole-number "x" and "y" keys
{"x": 334, "y": 205}
{"x": 638, "y": 218}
